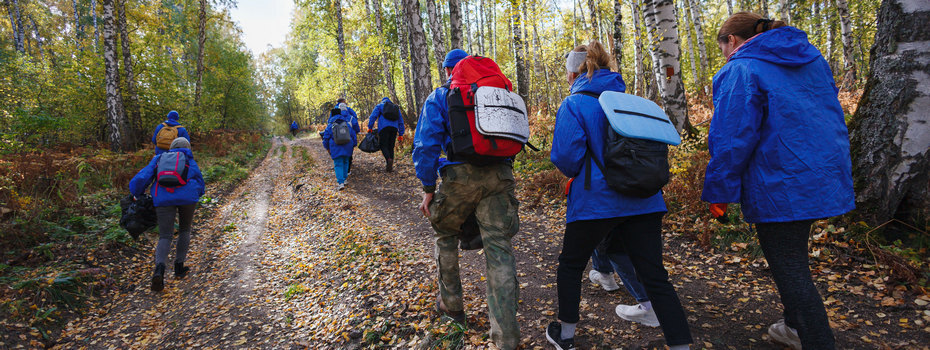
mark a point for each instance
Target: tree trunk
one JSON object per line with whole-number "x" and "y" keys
{"x": 385, "y": 65}
{"x": 481, "y": 29}
{"x": 135, "y": 117}
{"x": 403, "y": 39}
{"x": 419, "y": 57}
{"x": 574, "y": 21}
{"x": 201, "y": 41}
{"x": 697, "y": 16}
{"x": 435, "y": 28}
{"x": 592, "y": 9}
{"x": 455, "y": 24}
{"x": 116, "y": 122}
{"x": 522, "y": 81}
{"x": 341, "y": 40}
{"x": 816, "y": 25}
{"x": 764, "y": 8}
{"x": 831, "y": 39}
{"x": 16, "y": 24}
{"x": 38, "y": 36}
{"x": 638, "y": 59}
{"x": 666, "y": 53}
{"x": 890, "y": 132}
{"x": 618, "y": 33}
{"x": 78, "y": 29}
{"x": 492, "y": 27}
{"x": 540, "y": 64}
{"x": 729, "y": 7}
{"x": 785, "y": 10}
{"x": 849, "y": 79}
{"x": 93, "y": 11}
{"x": 692, "y": 58}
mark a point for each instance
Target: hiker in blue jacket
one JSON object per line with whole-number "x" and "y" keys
{"x": 172, "y": 121}
{"x": 388, "y": 130}
{"x": 170, "y": 203}
{"x": 779, "y": 147}
{"x": 342, "y": 105}
{"x": 294, "y": 128}
{"x": 600, "y": 212}
{"x": 340, "y": 153}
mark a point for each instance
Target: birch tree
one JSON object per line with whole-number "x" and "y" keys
{"x": 592, "y": 9}
{"x": 403, "y": 40}
{"x": 890, "y": 132}
{"x": 697, "y": 17}
{"x": 115, "y": 120}
{"x": 419, "y": 57}
{"x": 618, "y": 33}
{"x": 435, "y": 28}
{"x": 785, "y": 10}
{"x": 93, "y": 11}
{"x": 849, "y": 67}
{"x": 666, "y": 56}
{"x": 134, "y": 112}
{"x": 341, "y": 41}
{"x": 522, "y": 80}
{"x": 385, "y": 65}
{"x": 201, "y": 41}
{"x": 455, "y": 24}
{"x": 16, "y": 24}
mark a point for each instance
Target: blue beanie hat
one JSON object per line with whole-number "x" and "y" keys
{"x": 173, "y": 115}
{"x": 454, "y": 57}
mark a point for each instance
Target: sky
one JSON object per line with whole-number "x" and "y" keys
{"x": 263, "y": 22}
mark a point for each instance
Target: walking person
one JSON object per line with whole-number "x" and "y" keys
{"x": 340, "y": 139}
{"x": 294, "y": 128}
{"x": 341, "y": 104}
{"x": 167, "y": 131}
{"x": 779, "y": 147}
{"x": 604, "y": 264}
{"x": 176, "y": 187}
{"x": 486, "y": 190}
{"x": 390, "y": 122}
{"x": 596, "y": 211}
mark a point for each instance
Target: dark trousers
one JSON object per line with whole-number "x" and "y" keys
{"x": 642, "y": 237}
{"x": 785, "y": 247}
{"x": 166, "y": 218}
{"x": 387, "y": 136}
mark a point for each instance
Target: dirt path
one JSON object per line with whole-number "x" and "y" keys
{"x": 290, "y": 262}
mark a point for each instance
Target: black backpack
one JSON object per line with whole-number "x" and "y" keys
{"x": 633, "y": 167}
{"x": 390, "y": 111}
{"x": 342, "y": 133}
{"x": 137, "y": 215}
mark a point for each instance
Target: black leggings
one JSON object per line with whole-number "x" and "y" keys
{"x": 387, "y": 136}
{"x": 642, "y": 237}
{"x": 785, "y": 247}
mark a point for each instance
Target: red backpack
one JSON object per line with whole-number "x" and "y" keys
{"x": 487, "y": 121}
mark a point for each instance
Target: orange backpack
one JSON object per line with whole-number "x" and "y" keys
{"x": 166, "y": 135}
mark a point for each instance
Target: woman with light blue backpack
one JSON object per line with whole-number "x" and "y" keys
{"x": 596, "y": 211}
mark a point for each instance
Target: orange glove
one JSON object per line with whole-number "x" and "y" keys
{"x": 568, "y": 186}
{"x": 400, "y": 138}
{"x": 719, "y": 212}
{"x": 369, "y": 131}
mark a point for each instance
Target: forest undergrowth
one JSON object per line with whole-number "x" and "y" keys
{"x": 60, "y": 221}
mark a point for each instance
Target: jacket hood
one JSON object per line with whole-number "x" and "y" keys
{"x": 172, "y": 122}
{"x": 785, "y": 46}
{"x": 187, "y": 152}
{"x": 383, "y": 100}
{"x": 602, "y": 80}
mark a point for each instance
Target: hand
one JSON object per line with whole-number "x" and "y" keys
{"x": 424, "y": 206}
{"x": 369, "y": 130}
{"x": 719, "y": 212}
{"x": 400, "y": 138}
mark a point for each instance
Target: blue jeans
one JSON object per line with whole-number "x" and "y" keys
{"x": 621, "y": 263}
{"x": 341, "y": 165}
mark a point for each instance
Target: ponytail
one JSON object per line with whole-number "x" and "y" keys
{"x": 746, "y": 25}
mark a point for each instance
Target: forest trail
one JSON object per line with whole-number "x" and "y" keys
{"x": 287, "y": 261}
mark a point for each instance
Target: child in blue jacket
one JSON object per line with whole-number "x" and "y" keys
{"x": 779, "y": 147}
{"x": 170, "y": 203}
{"x": 600, "y": 212}
{"x": 341, "y": 154}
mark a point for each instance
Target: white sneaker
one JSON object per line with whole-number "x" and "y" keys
{"x": 606, "y": 280}
{"x": 340, "y": 187}
{"x": 782, "y": 334}
{"x": 636, "y": 314}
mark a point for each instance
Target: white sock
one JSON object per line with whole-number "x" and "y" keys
{"x": 680, "y": 347}
{"x": 646, "y": 305}
{"x": 568, "y": 330}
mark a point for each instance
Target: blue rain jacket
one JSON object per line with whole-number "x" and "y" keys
{"x": 183, "y": 195}
{"x": 172, "y": 121}
{"x": 778, "y": 141}
{"x": 580, "y": 125}
{"x": 432, "y": 137}
{"x": 384, "y": 123}
{"x": 294, "y": 126}
{"x": 336, "y": 151}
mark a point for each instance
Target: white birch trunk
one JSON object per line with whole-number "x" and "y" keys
{"x": 522, "y": 80}
{"x": 890, "y": 132}
{"x": 419, "y": 57}
{"x": 785, "y": 11}
{"x": 341, "y": 40}
{"x": 135, "y": 116}
{"x": 592, "y": 9}
{"x": 435, "y": 28}
{"x": 618, "y": 34}
{"x": 697, "y": 15}
{"x": 201, "y": 42}
{"x": 849, "y": 66}
{"x": 385, "y": 65}
{"x": 455, "y": 24}
{"x": 116, "y": 122}
{"x": 666, "y": 53}
{"x": 403, "y": 37}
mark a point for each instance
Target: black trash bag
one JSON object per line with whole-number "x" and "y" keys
{"x": 370, "y": 144}
{"x": 138, "y": 215}
{"x": 470, "y": 236}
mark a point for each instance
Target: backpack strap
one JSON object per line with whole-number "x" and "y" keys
{"x": 589, "y": 155}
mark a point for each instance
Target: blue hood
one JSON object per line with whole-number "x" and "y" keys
{"x": 785, "y": 46}
{"x": 602, "y": 80}
{"x": 383, "y": 100}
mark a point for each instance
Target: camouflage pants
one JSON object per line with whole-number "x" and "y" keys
{"x": 488, "y": 192}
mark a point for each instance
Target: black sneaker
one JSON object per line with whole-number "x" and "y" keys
{"x": 180, "y": 270}
{"x": 158, "y": 278}
{"x": 554, "y": 336}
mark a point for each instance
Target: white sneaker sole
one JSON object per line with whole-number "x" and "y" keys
{"x": 640, "y": 321}
{"x": 552, "y": 341}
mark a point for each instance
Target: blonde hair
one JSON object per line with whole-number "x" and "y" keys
{"x": 597, "y": 58}
{"x": 746, "y": 25}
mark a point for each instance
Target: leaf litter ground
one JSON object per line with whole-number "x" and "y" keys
{"x": 290, "y": 262}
